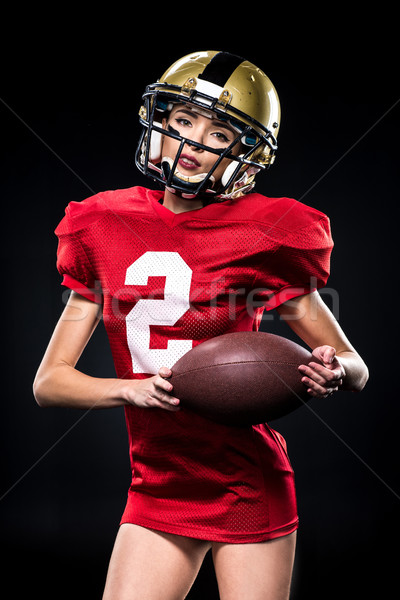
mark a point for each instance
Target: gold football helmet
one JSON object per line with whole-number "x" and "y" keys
{"x": 234, "y": 90}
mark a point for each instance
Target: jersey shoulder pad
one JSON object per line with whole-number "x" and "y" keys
{"x": 79, "y": 215}
{"x": 284, "y": 214}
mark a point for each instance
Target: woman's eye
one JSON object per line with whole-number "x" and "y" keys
{"x": 184, "y": 122}
{"x": 221, "y": 136}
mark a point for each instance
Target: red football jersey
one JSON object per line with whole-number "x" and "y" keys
{"x": 168, "y": 282}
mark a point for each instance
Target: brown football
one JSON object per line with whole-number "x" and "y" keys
{"x": 242, "y": 378}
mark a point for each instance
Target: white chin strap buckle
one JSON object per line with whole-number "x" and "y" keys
{"x": 186, "y": 196}
{"x": 191, "y": 179}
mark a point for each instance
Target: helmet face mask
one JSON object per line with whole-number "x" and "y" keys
{"x": 257, "y": 142}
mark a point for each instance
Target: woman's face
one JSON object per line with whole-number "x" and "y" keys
{"x": 200, "y": 128}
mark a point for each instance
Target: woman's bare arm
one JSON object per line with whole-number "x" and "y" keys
{"x": 343, "y": 368}
{"x": 59, "y": 383}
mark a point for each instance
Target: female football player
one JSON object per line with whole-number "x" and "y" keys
{"x": 167, "y": 269}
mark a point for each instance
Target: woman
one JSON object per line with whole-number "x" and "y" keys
{"x": 167, "y": 270}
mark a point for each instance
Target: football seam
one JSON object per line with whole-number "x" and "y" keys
{"x": 238, "y": 362}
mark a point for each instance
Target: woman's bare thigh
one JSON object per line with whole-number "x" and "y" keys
{"x": 261, "y": 571}
{"x": 152, "y": 565}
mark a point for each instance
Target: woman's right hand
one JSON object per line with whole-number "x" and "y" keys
{"x": 59, "y": 383}
{"x": 153, "y": 392}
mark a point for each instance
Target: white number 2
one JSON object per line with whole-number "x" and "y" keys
{"x": 166, "y": 311}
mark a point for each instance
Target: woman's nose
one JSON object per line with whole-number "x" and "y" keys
{"x": 197, "y": 135}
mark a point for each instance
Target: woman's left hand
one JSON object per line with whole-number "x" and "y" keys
{"x": 323, "y": 379}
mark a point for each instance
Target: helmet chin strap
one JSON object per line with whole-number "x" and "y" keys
{"x": 189, "y": 182}
{"x": 167, "y": 164}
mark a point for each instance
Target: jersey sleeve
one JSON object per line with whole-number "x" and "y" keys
{"x": 73, "y": 261}
{"x": 299, "y": 265}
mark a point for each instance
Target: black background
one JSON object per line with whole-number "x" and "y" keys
{"x": 70, "y": 93}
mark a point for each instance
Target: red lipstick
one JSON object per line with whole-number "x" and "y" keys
{"x": 188, "y": 162}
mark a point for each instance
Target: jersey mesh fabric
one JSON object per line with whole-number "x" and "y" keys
{"x": 168, "y": 282}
